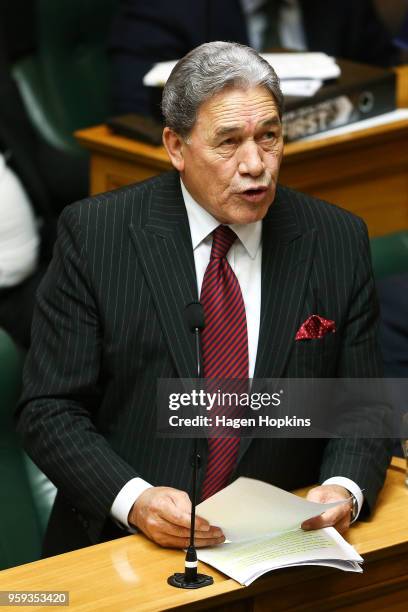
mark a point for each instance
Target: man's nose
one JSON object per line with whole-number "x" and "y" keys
{"x": 250, "y": 160}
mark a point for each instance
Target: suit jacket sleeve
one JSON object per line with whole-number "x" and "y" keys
{"x": 363, "y": 460}
{"x": 62, "y": 382}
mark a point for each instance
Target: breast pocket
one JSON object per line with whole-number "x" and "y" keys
{"x": 316, "y": 358}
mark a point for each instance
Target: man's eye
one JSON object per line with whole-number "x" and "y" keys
{"x": 269, "y": 135}
{"x": 228, "y": 141}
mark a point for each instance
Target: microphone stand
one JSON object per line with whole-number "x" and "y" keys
{"x": 190, "y": 578}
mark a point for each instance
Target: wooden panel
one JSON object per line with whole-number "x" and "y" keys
{"x": 386, "y": 152}
{"x": 333, "y": 589}
{"x": 402, "y": 86}
{"x": 392, "y": 602}
{"x": 382, "y": 201}
{"x": 367, "y": 178}
{"x": 109, "y": 173}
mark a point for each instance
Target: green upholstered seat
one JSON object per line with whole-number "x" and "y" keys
{"x": 390, "y": 254}
{"x": 26, "y": 496}
{"x": 65, "y": 83}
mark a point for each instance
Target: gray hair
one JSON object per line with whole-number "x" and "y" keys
{"x": 207, "y": 70}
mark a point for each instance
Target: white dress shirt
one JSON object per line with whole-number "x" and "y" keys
{"x": 245, "y": 258}
{"x": 19, "y": 236}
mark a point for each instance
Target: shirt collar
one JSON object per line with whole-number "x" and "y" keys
{"x": 202, "y": 224}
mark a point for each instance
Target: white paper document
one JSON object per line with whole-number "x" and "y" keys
{"x": 303, "y": 65}
{"x": 249, "y": 509}
{"x": 247, "y": 561}
{"x": 262, "y": 526}
{"x": 301, "y": 74}
{"x": 305, "y": 88}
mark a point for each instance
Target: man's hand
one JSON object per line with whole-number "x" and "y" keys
{"x": 164, "y": 515}
{"x": 338, "y": 517}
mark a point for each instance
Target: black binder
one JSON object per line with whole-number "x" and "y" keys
{"x": 359, "y": 93}
{"x": 137, "y": 127}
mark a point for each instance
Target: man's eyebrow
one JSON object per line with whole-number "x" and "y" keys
{"x": 271, "y": 121}
{"x": 225, "y": 130}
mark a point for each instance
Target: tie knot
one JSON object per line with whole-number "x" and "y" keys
{"x": 223, "y": 238}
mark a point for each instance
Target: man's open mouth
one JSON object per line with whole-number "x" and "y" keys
{"x": 254, "y": 191}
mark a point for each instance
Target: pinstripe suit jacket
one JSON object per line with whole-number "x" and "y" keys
{"x": 109, "y": 323}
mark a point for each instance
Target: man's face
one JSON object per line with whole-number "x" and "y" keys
{"x": 232, "y": 157}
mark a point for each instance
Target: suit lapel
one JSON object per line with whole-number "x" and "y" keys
{"x": 286, "y": 259}
{"x": 287, "y": 254}
{"x": 165, "y": 251}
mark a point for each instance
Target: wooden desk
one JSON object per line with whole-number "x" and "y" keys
{"x": 131, "y": 573}
{"x": 365, "y": 171}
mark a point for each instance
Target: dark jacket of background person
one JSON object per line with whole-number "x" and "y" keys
{"x": 147, "y": 31}
{"x": 393, "y": 296}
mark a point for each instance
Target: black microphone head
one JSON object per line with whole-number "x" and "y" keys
{"x": 194, "y": 314}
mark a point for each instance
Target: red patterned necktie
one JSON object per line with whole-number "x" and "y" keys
{"x": 224, "y": 347}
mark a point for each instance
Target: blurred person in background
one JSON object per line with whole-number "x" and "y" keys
{"x": 36, "y": 181}
{"x": 147, "y": 31}
{"x": 393, "y": 298}
{"x": 392, "y": 13}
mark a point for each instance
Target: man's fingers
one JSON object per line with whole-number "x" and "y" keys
{"x": 338, "y": 517}
{"x": 168, "y": 541}
{"x": 201, "y": 542}
{"x": 170, "y": 514}
{"x": 343, "y": 525}
{"x": 178, "y": 512}
{"x": 164, "y": 515}
{"x": 328, "y": 493}
{"x": 201, "y": 524}
{"x": 174, "y": 507}
{"x": 180, "y": 499}
{"x": 180, "y": 515}
{"x": 156, "y": 523}
{"x": 330, "y": 518}
{"x": 317, "y": 522}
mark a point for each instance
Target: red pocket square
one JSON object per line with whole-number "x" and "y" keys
{"x": 315, "y": 327}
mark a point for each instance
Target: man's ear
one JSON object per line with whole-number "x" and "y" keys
{"x": 174, "y": 146}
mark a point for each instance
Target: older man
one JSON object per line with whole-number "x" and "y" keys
{"x": 109, "y": 320}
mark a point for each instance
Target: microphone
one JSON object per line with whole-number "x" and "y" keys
{"x": 194, "y": 314}
{"x": 190, "y": 579}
